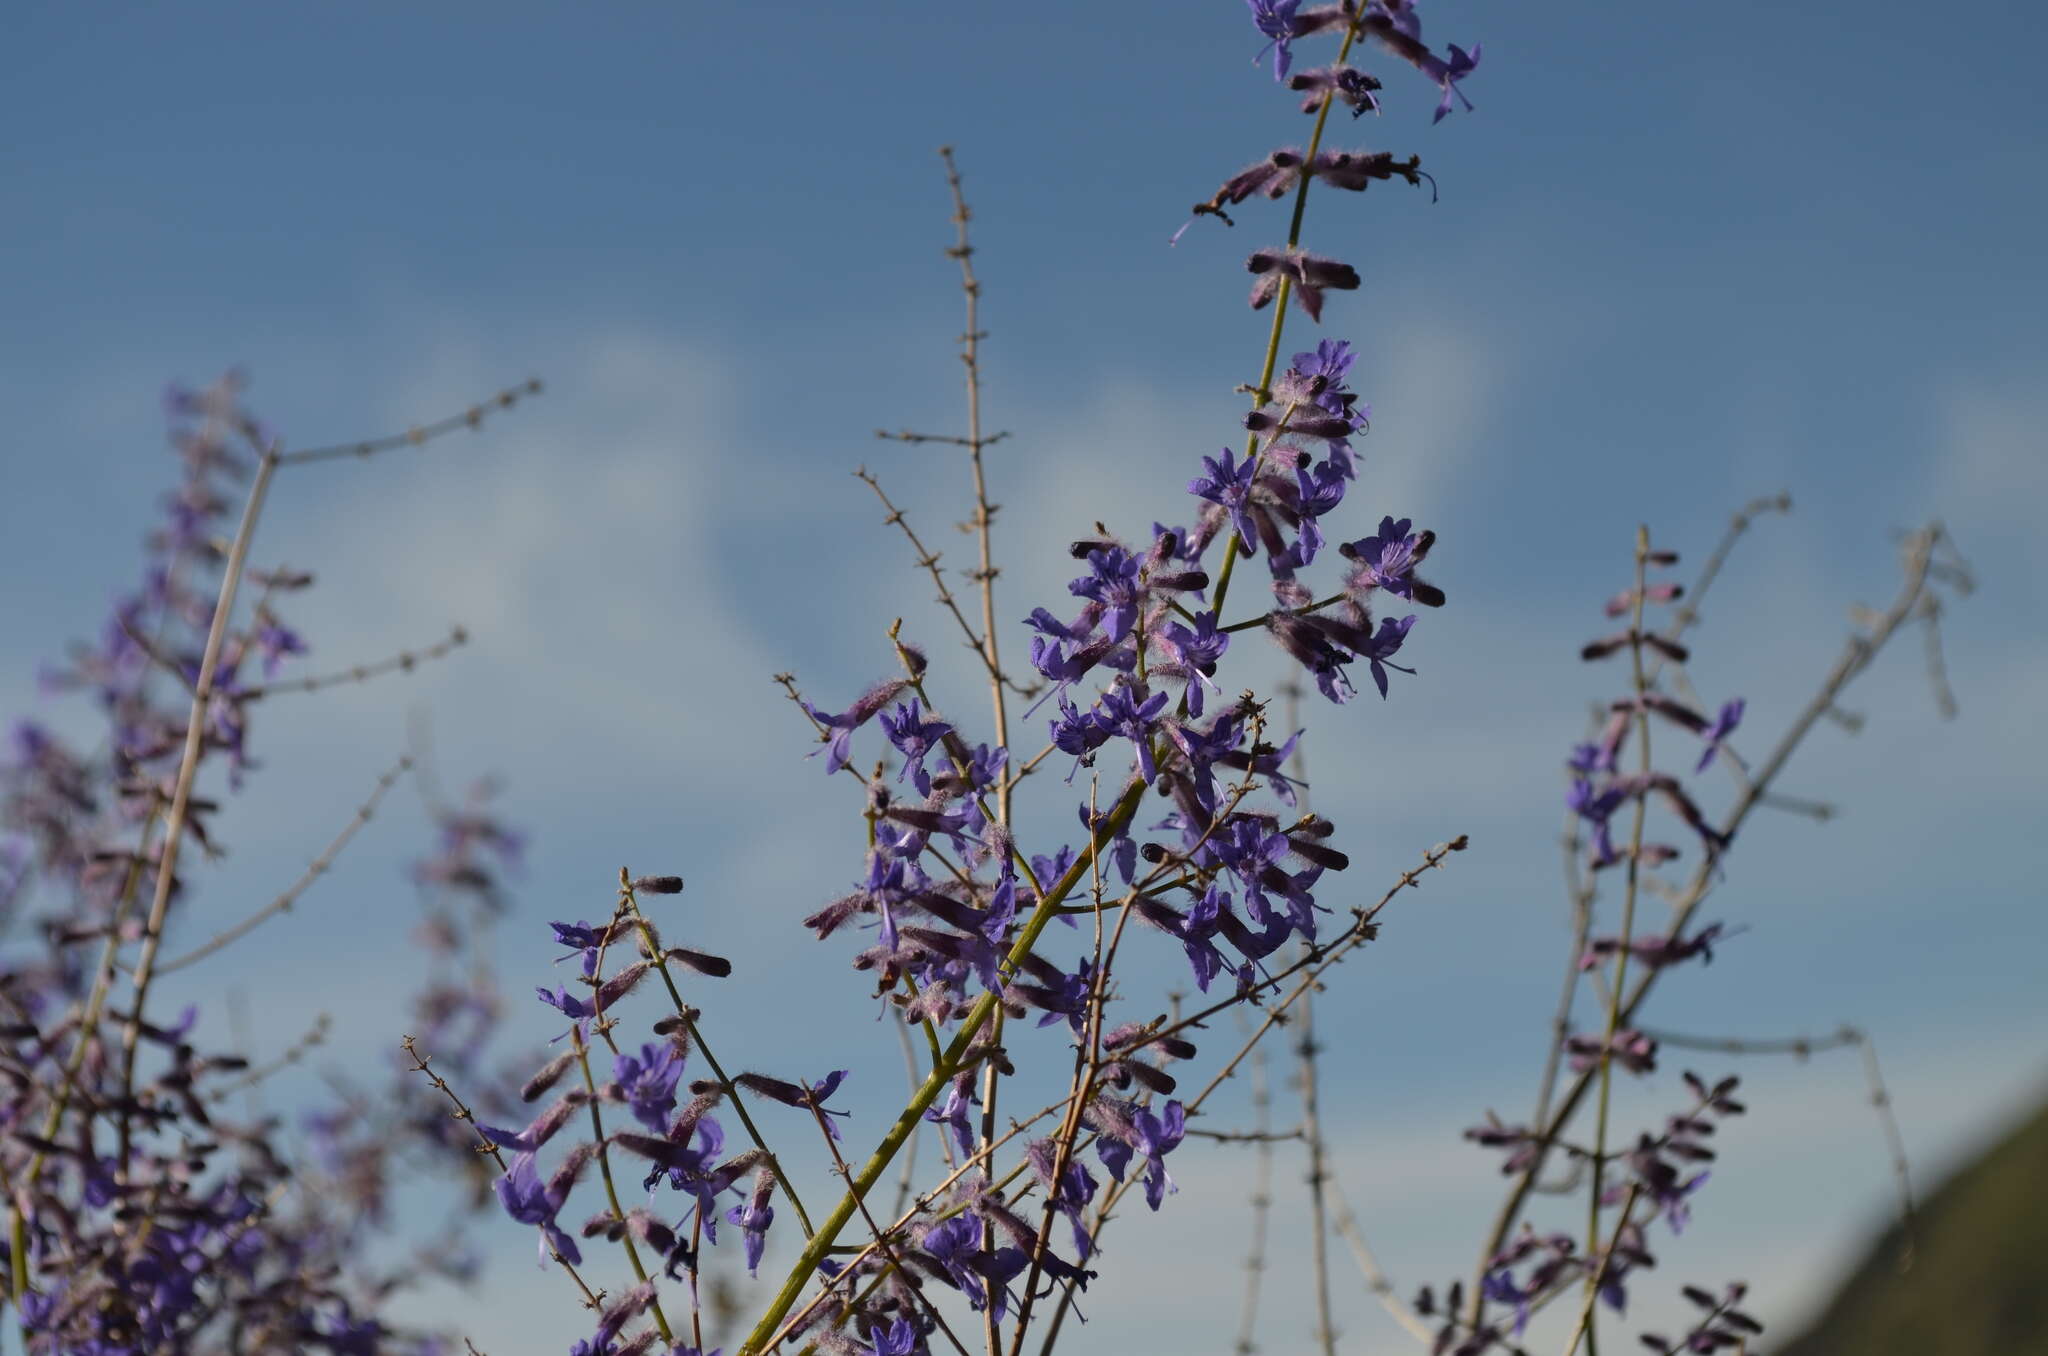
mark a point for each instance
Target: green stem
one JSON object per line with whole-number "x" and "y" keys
{"x": 1628, "y": 919}
{"x": 906, "y": 1121}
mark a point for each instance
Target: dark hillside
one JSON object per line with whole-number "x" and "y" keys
{"x": 1978, "y": 1284}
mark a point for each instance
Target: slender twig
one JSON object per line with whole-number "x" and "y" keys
{"x": 1261, "y": 1202}
{"x": 1687, "y": 614}
{"x": 181, "y": 795}
{"x": 403, "y": 662}
{"x": 315, "y": 1036}
{"x": 927, "y": 560}
{"x": 319, "y": 867}
{"x": 1376, "y": 1279}
{"x": 984, "y": 511}
{"x": 1318, "y": 1212}
{"x": 1598, "y": 1276}
{"x": 907, "y": 1182}
{"x": 419, "y": 434}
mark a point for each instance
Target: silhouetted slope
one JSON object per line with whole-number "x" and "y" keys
{"x": 1979, "y": 1280}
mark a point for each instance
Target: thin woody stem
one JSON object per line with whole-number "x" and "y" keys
{"x": 181, "y": 794}
{"x": 984, "y": 512}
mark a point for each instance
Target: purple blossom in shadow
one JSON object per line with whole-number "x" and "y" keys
{"x": 1307, "y": 276}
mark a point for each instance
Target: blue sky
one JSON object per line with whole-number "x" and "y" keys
{"x": 1677, "y": 263}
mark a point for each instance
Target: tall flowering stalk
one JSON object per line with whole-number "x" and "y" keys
{"x": 955, "y": 908}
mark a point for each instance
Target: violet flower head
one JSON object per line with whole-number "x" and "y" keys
{"x": 648, "y": 1081}
{"x": 530, "y": 1201}
{"x": 754, "y": 1217}
{"x": 1449, "y": 72}
{"x": 1127, "y": 711}
{"x": 1229, "y": 486}
{"x": 1275, "y": 19}
{"x": 1112, "y": 584}
{"x": 900, "y": 1338}
{"x": 840, "y": 727}
{"x": 1387, "y": 642}
{"x": 914, "y": 737}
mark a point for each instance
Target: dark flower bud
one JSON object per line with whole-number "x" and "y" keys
{"x": 572, "y": 1165}
{"x": 676, "y": 1024}
{"x": 774, "y": 1089}
{"x": 620, "y": 984}
{"x": 1316, "y": 854}
{"x": 660, "y": 885}
{"x": 549, "y": 1075}
{"x": 718, "y": 967}
{"x": 1154, "y": 1080}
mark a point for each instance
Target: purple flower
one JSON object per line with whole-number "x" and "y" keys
{"x": 1128, "y": 712}
{"x": 1112, "y": 585}
{"x": 898, "y": 1339}
{"x": 1723, "y": 726}
{"x": 1386, "y": 643}
{"x": 1275, "y": 19}
{"x": 277, "y": 640}
{"x": 914, "y": 738}
{"x": 842, "y": 725}
{"x": 754, "y": 1218}
{"x": 1079, "y": 733}
{"x": 530, "y": 1201}
{"x": 560, "y": 997}
{"x": 648, "y": 1081}
{"x": 1191, "y": 655}
{"x": 1150, "y": 1137}
{"x": 1229, "y": 485}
